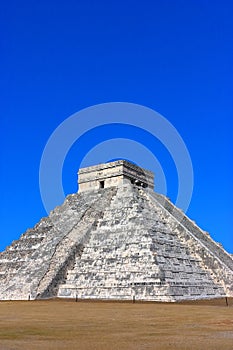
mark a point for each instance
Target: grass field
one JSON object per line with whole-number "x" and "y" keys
{"x": 56, "y": 324}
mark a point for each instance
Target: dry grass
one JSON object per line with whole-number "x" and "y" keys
{"x": 38, "y": 325}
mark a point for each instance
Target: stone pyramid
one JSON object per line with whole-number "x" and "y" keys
{"x": 116, "y": 239}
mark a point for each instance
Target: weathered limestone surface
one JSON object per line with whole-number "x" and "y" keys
{"x": 138, "y": 249}
{"x": 117, "y": 242}
{"x": 113, "y": 174}
{"x": 33, "y": 265}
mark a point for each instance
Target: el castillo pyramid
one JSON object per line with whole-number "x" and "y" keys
{"x": 116, "y": 239}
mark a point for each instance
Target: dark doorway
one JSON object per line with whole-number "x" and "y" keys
{"x": 101, "y": 184}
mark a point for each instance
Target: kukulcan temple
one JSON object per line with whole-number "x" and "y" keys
{"x": 116, "y": 239}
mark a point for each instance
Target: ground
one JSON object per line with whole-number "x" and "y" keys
{"x": 56, "y": 324}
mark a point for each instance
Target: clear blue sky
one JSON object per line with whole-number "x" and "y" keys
{"x": 58, "y": 57}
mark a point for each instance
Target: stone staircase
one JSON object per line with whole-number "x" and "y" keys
{"x": 137, "y": 250}
{"x": 32, "y": 265}
{"x": 116, "y": 261}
